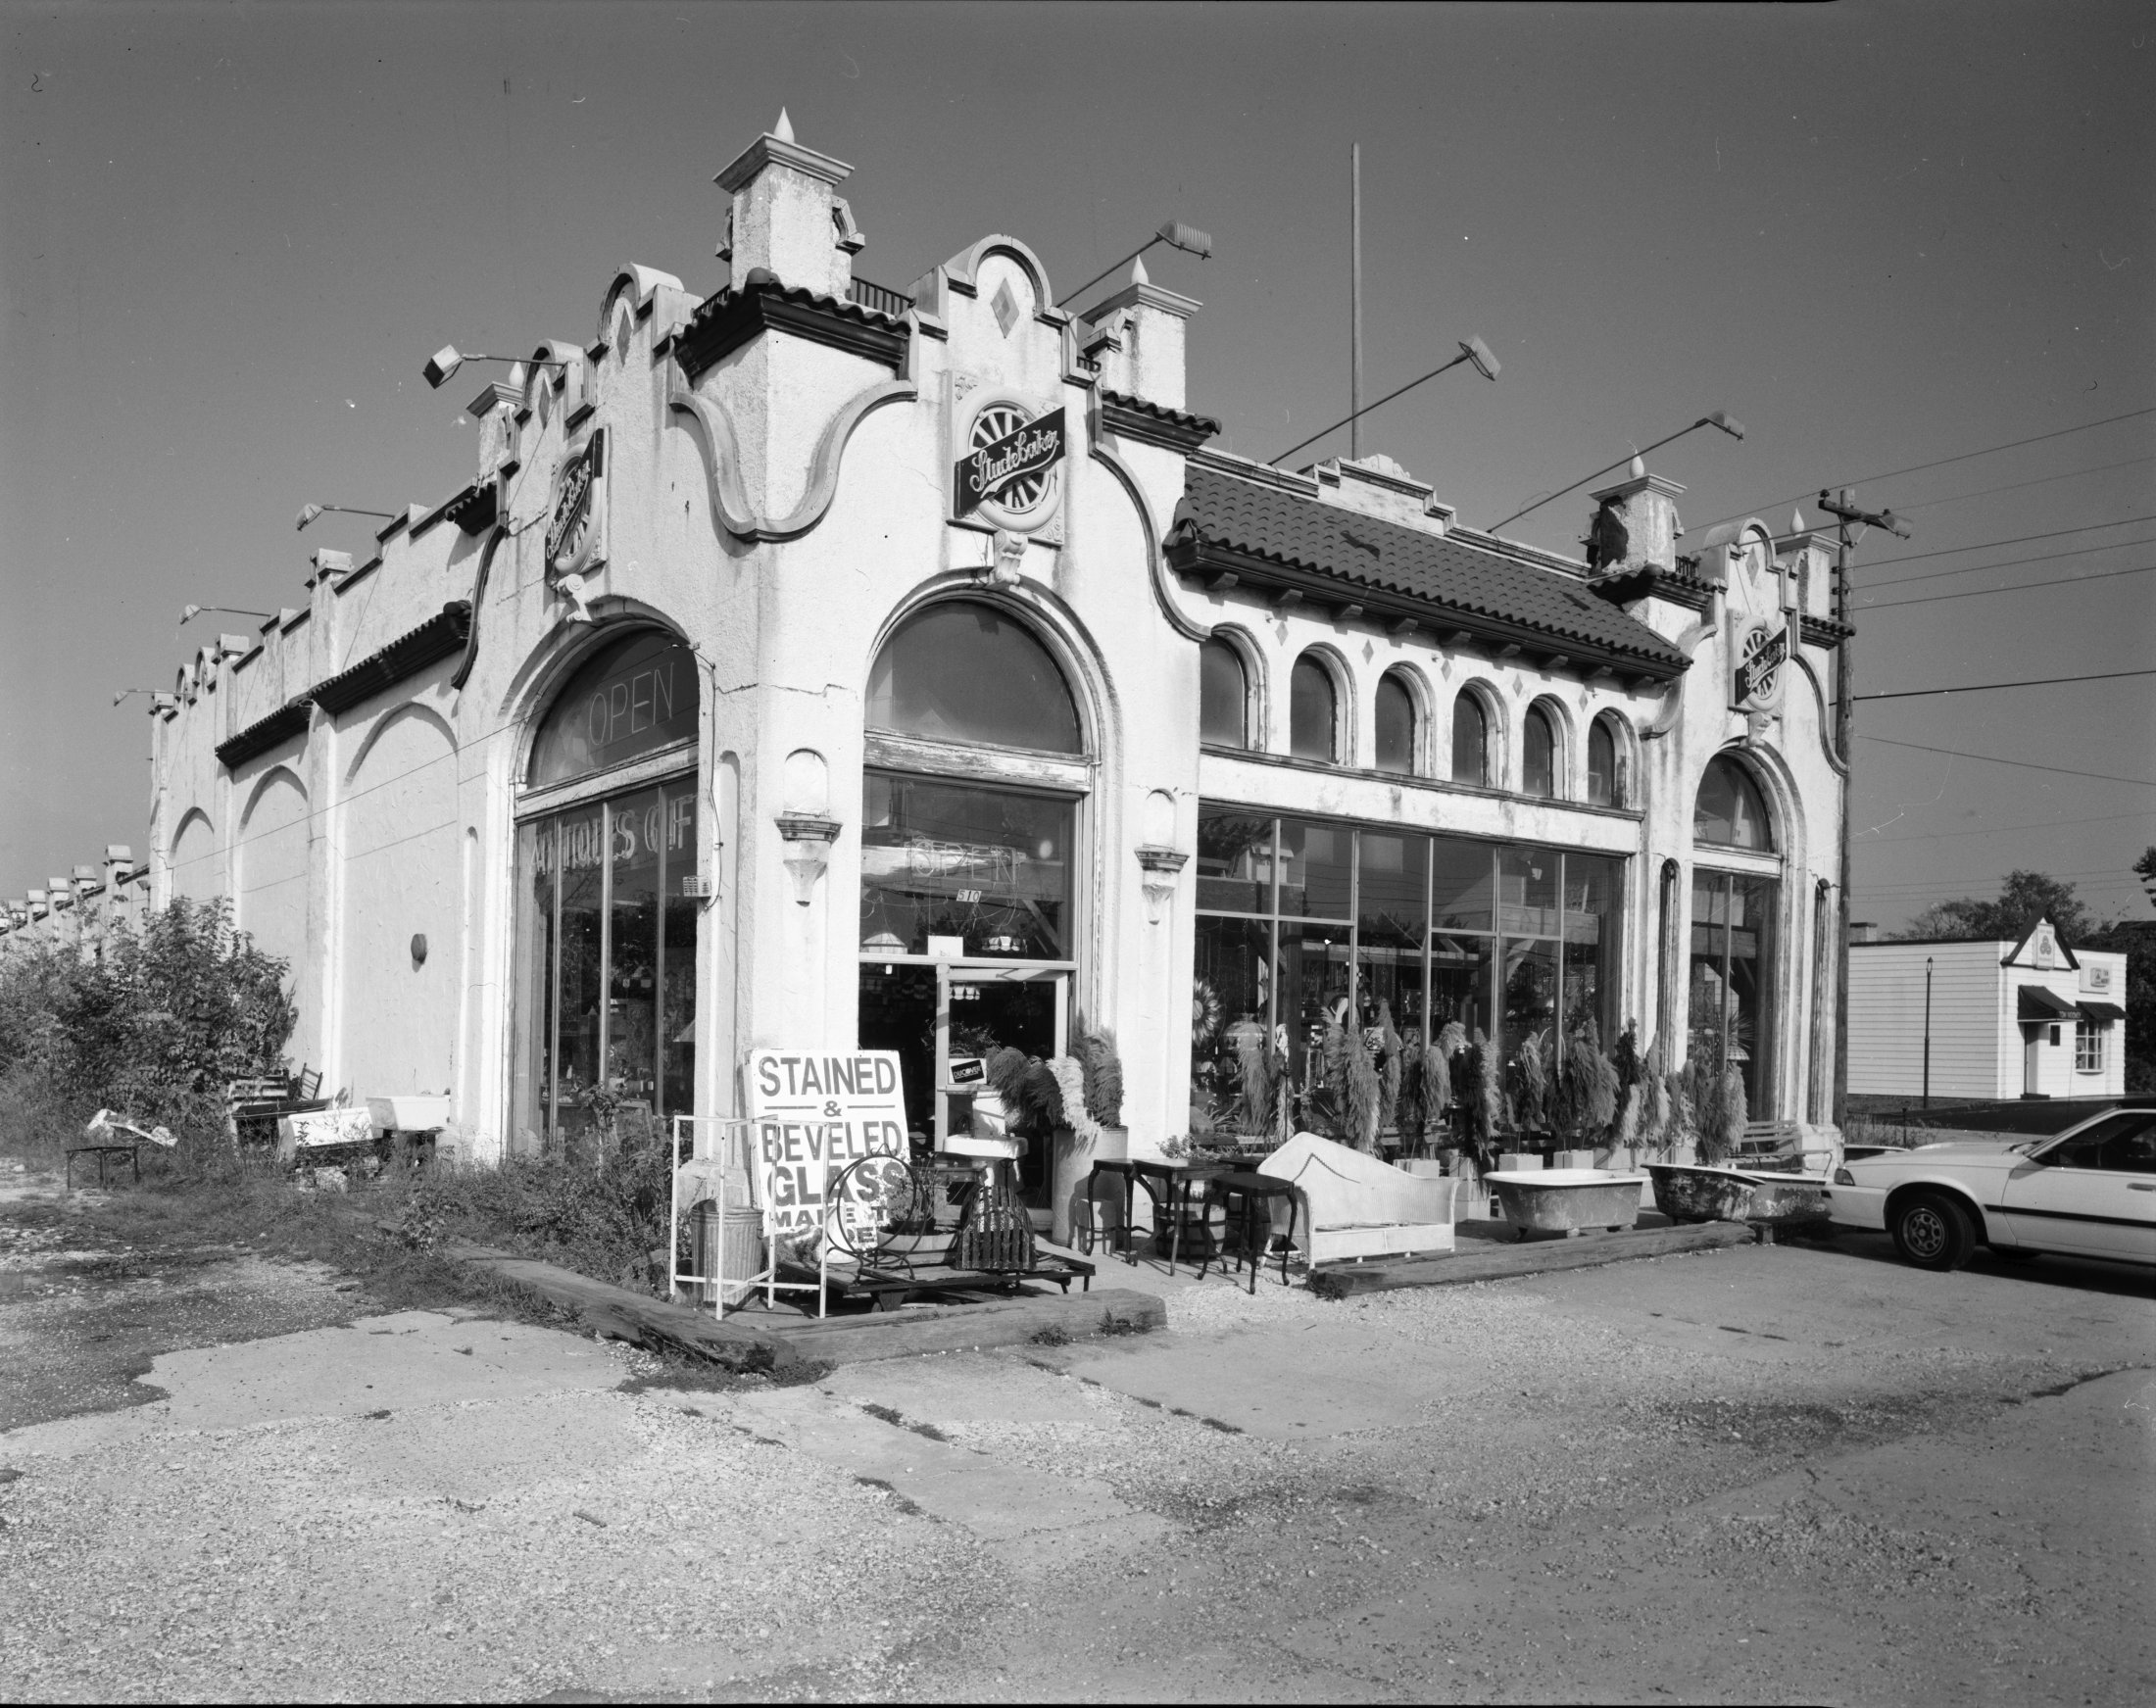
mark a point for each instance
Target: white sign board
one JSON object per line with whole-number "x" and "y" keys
{"x": 814, "y": 1113}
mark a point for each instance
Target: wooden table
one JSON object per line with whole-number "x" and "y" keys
{"x": 1258, "y": 1194}
{"x": 1169, "y": 1188}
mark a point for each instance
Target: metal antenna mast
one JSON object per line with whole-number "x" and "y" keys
{"x": 1354, "y": 281}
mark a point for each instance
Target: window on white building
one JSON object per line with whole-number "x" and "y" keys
{"x": 2088, "y": 1045}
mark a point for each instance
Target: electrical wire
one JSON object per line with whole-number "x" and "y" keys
{"x": 2013, "y": 587}
{"x": 1996, "y": 829}
{"x": 1994, "y": 687}
{"x": 1943, "y": 461}
{"x": 2003, "y": 563}
{"x": 2019, "y": 764}
{"x": 2018, "y": 485}
{"x": 2017, "y": 540}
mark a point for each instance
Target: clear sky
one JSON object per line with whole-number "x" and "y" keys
{"x": 1878, "y": 235}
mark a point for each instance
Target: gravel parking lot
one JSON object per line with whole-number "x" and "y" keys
{"x": 1764, "y": 1474}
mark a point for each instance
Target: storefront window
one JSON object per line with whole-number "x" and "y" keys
{"x": 1312, "y": 714}
{"x": 1224, "y": 696}
{"x": 964, "y": 870}
{"x": 1365, "y": 920}
{"x": 638, "y": 695}
{"x": 1396, "y": 725}
{"x": 963, "y": 671}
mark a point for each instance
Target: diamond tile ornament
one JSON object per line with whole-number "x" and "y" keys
{"x": 1005, "y": 305}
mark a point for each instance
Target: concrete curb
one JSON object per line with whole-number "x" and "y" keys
{"x": 1531, "y": 1257}
{"x": 742, "y": 1342}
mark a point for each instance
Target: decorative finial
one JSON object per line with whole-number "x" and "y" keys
{"x": 784, "y": 129}
{"x": 1796, "y": 520}
{"x": 1138, "y": 273}
{"x": 1638, "y": 466}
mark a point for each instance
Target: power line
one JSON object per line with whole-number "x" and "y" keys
{"x": 2017, "y": 540}
{"x": 1966, "y": 456}
{"x": 2018, "y": 485}
{"x": 2004, "y": 563}
{"x": 1994, "y": 687}
{"x": 2019, "y": 764}
{"x": 2012, "y": 587}
{"x": 1997, "y": 829}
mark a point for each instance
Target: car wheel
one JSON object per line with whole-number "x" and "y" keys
{"x": 1932, "y": 1232}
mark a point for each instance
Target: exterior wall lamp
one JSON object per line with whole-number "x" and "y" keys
{"x": 809, "y": 838}
{"x": 1720, "y": 419}
{"x": 188, "y": 613}
{"x": 1472, "y": 348}
{"x": 1162, "y": 867}
{"x": 1172, "y": 232}
{"x": 309, "y": 511}
{"x": 446, "y": 360}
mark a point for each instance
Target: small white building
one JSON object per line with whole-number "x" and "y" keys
{"x": 2027, "y": 1019}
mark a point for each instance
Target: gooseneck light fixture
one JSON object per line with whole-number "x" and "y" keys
{"x": 1172, "y": 232}
{"x": 1471, "y": 349}
{"x": 446, "y": 360}
{"x": 121, "y": 696}
{"x": 309, "y": 511}
{"x": 1720, "y": 418}
{"x": 189, "y": 612}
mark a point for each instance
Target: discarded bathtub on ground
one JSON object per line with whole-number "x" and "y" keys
{"x": 1566, "y": 1200}
{"x": 1712, "y": 1193}
{"x": 1355, "y": 1205}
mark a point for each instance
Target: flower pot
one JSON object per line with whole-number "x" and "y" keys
{"x": 1071, "y": 1162}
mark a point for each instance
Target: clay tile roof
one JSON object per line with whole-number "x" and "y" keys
{"x": 1261, "y": 519}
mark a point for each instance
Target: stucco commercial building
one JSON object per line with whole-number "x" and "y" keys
{"x": 820, "y": 663}
{"x": 2029, "y": 1019}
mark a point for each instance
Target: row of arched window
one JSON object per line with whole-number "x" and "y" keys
{"x": 1316, "y": 729}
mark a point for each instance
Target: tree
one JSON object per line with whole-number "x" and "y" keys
{"x": 2024, "y": 898}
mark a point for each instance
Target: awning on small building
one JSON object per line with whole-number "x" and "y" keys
{"x": 2038, "y": 1004}
{"x": 2102, "y": 1011}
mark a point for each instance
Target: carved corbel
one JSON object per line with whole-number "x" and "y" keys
{"x": 809, "y": 838}
{"x": 1162, "y": 867}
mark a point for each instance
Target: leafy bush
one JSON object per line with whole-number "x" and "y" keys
{"x": 154, "y": 1028}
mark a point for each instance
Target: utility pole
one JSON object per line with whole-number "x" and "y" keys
{"x": 1354, "y": 285}
{"x": 1848, "y": 516}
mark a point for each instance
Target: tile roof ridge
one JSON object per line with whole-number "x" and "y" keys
{"x": 1257, "y": 474}
{"x": 1520, "y": 551}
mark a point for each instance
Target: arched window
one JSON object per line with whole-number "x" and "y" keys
{"x": 1602, "y": 765}
{"x": 637, "y": 696}
{"x": 1470, "y": 741}
{"x": 963, "y": 671}
{"x": 1223, "y": 696}
{"x": 1730, "y": 811}
{"x": 1313, "y": 711}
{"x": 1396, "y": 725}
{"x": 1539, "y": 755}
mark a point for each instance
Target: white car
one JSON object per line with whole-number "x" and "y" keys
{"x": 2088, "y": 1193}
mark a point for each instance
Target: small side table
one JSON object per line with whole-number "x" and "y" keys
{"x": 1256, "y": 1194}
{"x": 1170, "y": 1188}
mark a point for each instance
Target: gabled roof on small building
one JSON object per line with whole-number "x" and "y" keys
{"x": 1263, "y": 528}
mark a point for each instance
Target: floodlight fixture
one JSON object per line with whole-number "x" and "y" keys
{"x": 446, "y": 360}
{"x": 126, "y": 694}
{"x": 1173, "y": 232}
{"x": 1471, "y": 349}
{"x": 188, "y": 613}
{"x": 309, "y": 512}
{"x": 1717, "y": 419}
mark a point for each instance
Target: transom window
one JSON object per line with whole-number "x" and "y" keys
{"x": 1730, "y": 811}
{"x": 963, "y": 671}
{"x": 637, "y": 696}
{"x": 1396, "y": 725}
{"x": 1223, "y": 696}
{"x": 1313, "y": 711}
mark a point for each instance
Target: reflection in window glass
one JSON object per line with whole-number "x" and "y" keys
{"x": 1527, "y": 892}
{"x": 963, "y": 671}
{"x": 1470, "y": 741}
{"x": 1223, "y": 696}
{"x": 1463, "y": 884}
{"x": 1460, "y": 982}
{"x": 991, "y": 866}
{"x": 1539, "y": 755}
{"x": 637, "y": 696}
{"x": 1729, "y": 811}
{"x": 1732, "y": 972}
{"x": 1391, "y": 924}
{"x": 1602, "y": 765}
{"x": 1232, "y": 996}
{"x": 1312, "y": 717}
{"x": 1312, "y": 970}
{"x": 1316, "y": 869}
{"x": 1235, "y": 861}
{"x": 1529, "y": 991}
{"x": 1395, "y": 726}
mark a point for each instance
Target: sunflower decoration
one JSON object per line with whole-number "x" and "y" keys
{"x": 1205, "y": 1013}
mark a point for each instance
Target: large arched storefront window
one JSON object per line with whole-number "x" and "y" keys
{"x": 605, "y": 935}
{"x": 967, "y": 933}
{"x": 1730, "y": 1008}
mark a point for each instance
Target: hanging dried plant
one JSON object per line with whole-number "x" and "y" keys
{"x": 1627, "y": 1134}
{"x": 1103, "y": 1066}
{"x": 1735, "y": 1111}
{"x": 1069, "y": 1074}
{"x": 1255, "y": 1065}
{"x": 1654, "y": 1119}
{"x": 1436, "y": 1080}
{"x": 1624, "y": 1056}
{"x": 1531, "y": 1084}
{"x": 1488, "y": 1116}
{"x": 1362, "y": 1093}
{"x": 1390, "y": 1051}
